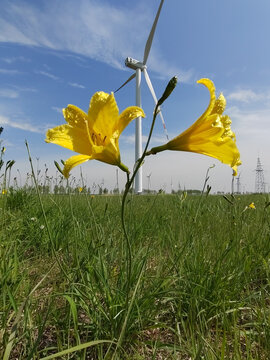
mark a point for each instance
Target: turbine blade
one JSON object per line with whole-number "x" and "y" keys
{"x": 148, "y": 81}
{"x": 128, "y": 80}
{"x": 151, "y": 35}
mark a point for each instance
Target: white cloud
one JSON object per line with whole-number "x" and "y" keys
{"x": 14, "y": 91}
{"x": 5, "y": 121}
{"x": 57, "y": 109}
{"x": 11, "y": 60}
{"x": 24, "y": 89}
{"x": 9, "y": 93}
{"x": 9, "y": 72}
{"x": 248, "y": 95}
{"x": 49, "y": 75}
{"x": 166, "y": 70}
{"x": 12, "y": 33}
{"x": 252, "y": 128}
{"x": 98, "y": 30}
{"x": 250, "y": 121}
{"x": 79, "y": 86}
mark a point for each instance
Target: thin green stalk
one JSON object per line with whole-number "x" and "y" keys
{"x": 121, "y": 336}
{"x": 90, "y": 206}
{"x": 14, "y": 328}
{"x": 44, "y": 214}
{"x": 170, "y": 87}
{"x": 128, "y": 185}
{"x": 129, "y": 249}
{"x": 204, "y": 185}
{"x": 75, "y": 223}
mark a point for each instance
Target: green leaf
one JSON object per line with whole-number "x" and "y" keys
{"x": 77, "y": 348}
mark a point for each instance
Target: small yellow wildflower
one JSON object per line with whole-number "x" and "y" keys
{"x": 252, "y": 206}
{"x": 4, "y": 191}
{"x": 210, "y": 135}
{"x": 80, "y": 189}
{"x": 94, "y": 135}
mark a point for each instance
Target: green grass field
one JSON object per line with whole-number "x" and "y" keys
{"x": 198, "y": 286}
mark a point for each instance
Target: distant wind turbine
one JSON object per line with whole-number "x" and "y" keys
{"x": 141, "y": 67}
{"x": 238, "y": 184}
{"x": 149, "y": 181}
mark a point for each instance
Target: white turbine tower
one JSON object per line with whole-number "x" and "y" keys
{"x": 140, "y": 67}
{"x": 149, "y": 182}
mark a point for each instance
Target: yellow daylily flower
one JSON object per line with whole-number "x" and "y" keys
{"x": 210, "y": 135}
{"x": 94, "y": 135}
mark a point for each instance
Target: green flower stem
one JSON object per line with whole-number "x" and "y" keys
{"x": 123, "y": 167}
{"x": 171, "y": 85}
{"x": 129, "y": 249}
{"x": 157, "y": 149}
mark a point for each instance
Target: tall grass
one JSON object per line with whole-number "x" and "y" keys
{"x": 199, "y": 279}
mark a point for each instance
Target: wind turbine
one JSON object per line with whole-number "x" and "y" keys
{"x": 238, "y": 184}
{"x": 149, "y": 181}
{"x": 140, "y": 67}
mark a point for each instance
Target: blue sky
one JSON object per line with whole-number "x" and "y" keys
{"x": 59, "y": 52}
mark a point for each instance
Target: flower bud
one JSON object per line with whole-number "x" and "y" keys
{"x": 58, "y": 167}
{"x": 169, "y": 89}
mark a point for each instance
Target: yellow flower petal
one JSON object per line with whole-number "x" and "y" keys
{"x": 109, "y": 154}
{"x": 127, "y": 116}
{"x": 74, "y": 161}
{"x": 211, "y": 87}
{"x": 72, "y": 138}
{"x": 210, "y": 135}
{"x": 75, "y": 117}
{"x": 103, "y": 113}
{"x": 219, "y": 105}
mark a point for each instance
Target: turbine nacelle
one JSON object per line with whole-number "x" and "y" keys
{"x": 134, "y": 64}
